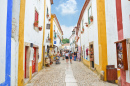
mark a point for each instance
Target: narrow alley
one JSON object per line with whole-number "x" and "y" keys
{"x": 75, "y": 74}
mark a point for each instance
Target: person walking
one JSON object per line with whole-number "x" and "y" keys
{"x": 54, "y": 54}
{"x": 58, "y": 55}
{"x": 67, "y": 56}
{"x": 71, "y": 54}
{"x": 63, "y": 53}
{"x": 75, "y": 54}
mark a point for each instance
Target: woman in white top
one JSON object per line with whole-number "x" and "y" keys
{"x": 63, "y": 53}
{"x": 67, "y": 56}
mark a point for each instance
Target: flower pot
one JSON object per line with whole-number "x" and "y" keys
{"x": 83, "y": 29}
{"x": 86, "y": 25}
{"x": 40, "y": 28}
{"x": 49, "y": 19}
{"x": 54, "y": 30}
{"x": 47, "y": 15}
{"x": 91, "y": 20}
{"x": 35, "y": 24}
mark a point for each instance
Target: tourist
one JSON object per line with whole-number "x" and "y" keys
{"x": 63, "y": 53}
{"x": 71, "y": 54}
{"x": 67, "y": 56}
{"x": 75, "y": 56}
{"x": 54, "y": 54}
{"x": 58, "y": 55}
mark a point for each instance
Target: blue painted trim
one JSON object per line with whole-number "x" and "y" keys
{"x": 8, "y": 43}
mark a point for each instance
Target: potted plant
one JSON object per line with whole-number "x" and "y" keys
{"x": 91, "y": 18}
{"x": 40, "y": 28}
{"x": 49, "y": 39}
{"x": 83, "y": 29}
{"x": 86, "y": 24}
{"x": 36, "y": 24}
{"x": 47, "y": 15}
{"x": 50, "y": 19}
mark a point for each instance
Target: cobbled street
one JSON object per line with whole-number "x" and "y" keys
{"x": 75, "y": 74}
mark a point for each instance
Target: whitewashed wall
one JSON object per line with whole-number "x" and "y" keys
{"x": 126, "y": 25}
{"x": 3, "y": 17}
{"x": 91, "y": 33}
{"x": 111, "y": 30}
{"x": 58, "y": 44}
{"x": 48, "y": 4}
{"x": 31, "y": 35}
{"x": 15, "y": 42}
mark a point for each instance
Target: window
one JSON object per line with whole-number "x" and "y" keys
{"x": 36, "y": 15}
{"x": 89, "y": 14}
{"x": 47, "y": 11}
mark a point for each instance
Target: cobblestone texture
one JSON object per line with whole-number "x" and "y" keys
{"x": 55, "y": 76}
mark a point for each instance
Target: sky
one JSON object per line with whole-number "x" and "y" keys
{"x": 67, "y": 12}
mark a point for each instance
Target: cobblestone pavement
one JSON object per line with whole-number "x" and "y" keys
{"x": 75, "y": 74}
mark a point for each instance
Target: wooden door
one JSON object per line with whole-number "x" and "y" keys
{"x": 34, "y": 61}
{"x": 25, "y": 62}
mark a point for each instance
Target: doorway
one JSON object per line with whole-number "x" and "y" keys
{"x": 91, "y": 47}
{"x": 43, "y": 55}
{"x": 34, "y": 61}
{"x": 26, "y": 68}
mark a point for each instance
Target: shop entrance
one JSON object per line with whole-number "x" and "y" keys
{"x": 43, "y": 55}
{"x": 91, "y": 47}
{"x": 26, "y": 68}
{"x": 34, "y": 61}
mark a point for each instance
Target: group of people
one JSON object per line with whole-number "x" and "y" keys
{"x": 66, "y": 55}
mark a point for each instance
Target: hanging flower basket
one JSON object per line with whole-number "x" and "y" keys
{"x": 36, "y": 24}
{"x": 40, "y": 28}
{"x": 91, "y": 18}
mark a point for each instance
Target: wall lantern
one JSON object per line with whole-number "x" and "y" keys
{"x": 73, "y": 32}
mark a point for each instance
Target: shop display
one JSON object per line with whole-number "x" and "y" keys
{"x": 121, "y": 48}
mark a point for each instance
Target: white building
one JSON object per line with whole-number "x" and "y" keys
{"x": 57, "y": 34}
{"x": 72, "y": 41}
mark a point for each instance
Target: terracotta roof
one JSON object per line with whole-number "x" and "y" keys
{"x": 67, "y": 44}
{"x": 51, "y": 1}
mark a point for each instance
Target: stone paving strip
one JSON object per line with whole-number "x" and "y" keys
{"x": 75, "y": 74}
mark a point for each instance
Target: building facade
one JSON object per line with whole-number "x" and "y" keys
{"x": 98, "y": 28}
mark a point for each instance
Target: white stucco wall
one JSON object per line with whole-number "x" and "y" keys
{"x": 91, "y": 32}
{"x": 31, "y": 35}
{"x": 126, "y": 26}
{"x": 3, "y": 17}
{"x": 48, "y": 5}
{"x": 15, "y": 42}
{"x": 111, "y": 30}
{"x": 58, "y": 32}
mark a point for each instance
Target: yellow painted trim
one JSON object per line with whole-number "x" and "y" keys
{"x": 30, "y": 72}
{"x": 21, "y": 44}
{"x": 43, "y": 37}
{"x": 102, "y": 38}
